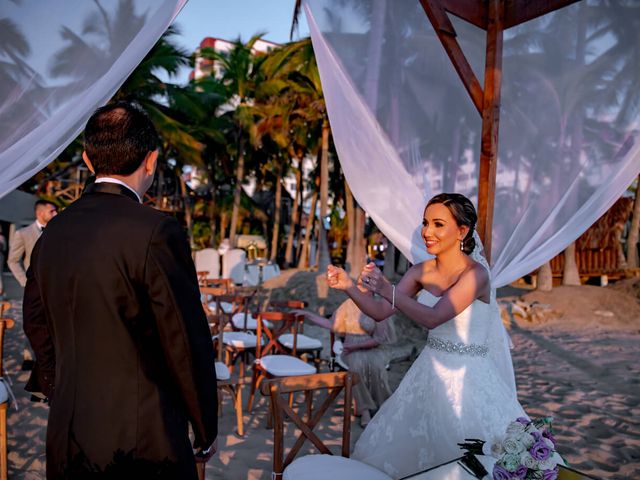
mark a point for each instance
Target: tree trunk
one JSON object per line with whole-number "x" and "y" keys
{"x": 288, "y": 253}
{"x": 304, "y": 254}
{"x": 570, "y": 273}
{"x": 359, "y": 247}
{"x": 324, "y": 259}
{"x": 187, "y": 208}
{"x": 390, "y": 260}
{"x": 237, "y": 195}
{"x": 632, "y": 238}
{"x": 276, "y": 216}
{"x": 351, "y": 229}
{"x": 545, "y": 278}
{"x": 224, "y": 222}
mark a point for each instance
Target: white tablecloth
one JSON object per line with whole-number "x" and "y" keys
{"x": 268, "y": 271}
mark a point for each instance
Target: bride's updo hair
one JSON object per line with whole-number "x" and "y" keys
{"x": 463, "y": 212}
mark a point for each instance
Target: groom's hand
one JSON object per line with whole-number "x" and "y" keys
{"x": 203, "y": 456}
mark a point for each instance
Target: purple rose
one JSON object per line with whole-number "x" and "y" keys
{"x": 549, "y": 435}
{"x": 500, "y": 473}
{"x": 520, "y": 473}
{"x": 537, "y": 436}
{"x": 550, "y": 474}
{"x": 540, "y": 451}
{"x": 523, "y": 420}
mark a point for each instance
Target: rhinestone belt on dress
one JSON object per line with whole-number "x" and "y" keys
{"x": 471, "y": 349}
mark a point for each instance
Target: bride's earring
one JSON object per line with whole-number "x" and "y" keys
{"x": 462, "y": 245}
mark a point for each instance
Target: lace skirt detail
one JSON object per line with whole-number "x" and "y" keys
{"x": 443, "y": 399}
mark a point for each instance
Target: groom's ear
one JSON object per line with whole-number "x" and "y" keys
{"x": 150, "y": 163}
{"x": 87, "y": 162}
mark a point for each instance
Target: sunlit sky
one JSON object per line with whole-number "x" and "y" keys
{"x": 230, "y": 19}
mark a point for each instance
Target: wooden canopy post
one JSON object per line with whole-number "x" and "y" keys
{"x": 490, "y": 122}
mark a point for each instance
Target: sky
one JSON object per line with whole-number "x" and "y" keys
{"x": 230, "y": 19}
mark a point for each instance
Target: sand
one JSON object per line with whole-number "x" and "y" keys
{"x": 579, "y": 366}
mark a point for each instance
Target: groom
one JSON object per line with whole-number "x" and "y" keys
{"x": 112, "y": 310}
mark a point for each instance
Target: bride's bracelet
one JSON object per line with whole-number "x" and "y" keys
{"x": 393, "y": 296}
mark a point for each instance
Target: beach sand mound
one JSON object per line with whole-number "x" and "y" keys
{"x": 585, "y": 307}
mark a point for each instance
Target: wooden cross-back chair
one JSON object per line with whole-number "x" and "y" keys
{"x": 226, "y": 383}
{"x": 239, "y": 342}
{"x": 305, "y": 344}
{"x": 325, "y": 465}
{"x": 272, "y": 359}
{"x": 5, "y": 323}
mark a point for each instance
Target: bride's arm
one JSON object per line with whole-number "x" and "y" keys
{"x": 376, "y": 308}
{"x": 471, "y": 285}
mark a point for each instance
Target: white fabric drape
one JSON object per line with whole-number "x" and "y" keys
{"x": 405, "y": 128}
{"x": 59, "y": 64}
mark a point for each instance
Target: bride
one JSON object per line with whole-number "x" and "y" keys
{"x": 462, "y": 384}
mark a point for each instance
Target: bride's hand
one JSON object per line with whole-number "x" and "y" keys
{"x": 373, "y": 279}
{"x": 338, "y": 278}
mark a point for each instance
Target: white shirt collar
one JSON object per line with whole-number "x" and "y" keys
{"x": 119, "y": 182}
{"x": 40, "y": 226}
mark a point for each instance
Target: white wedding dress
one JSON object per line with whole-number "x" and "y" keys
{"x": 461, "y": 386}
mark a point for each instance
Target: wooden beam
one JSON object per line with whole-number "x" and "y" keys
{"x": 472, "y": 11}
{"x": 447, "y": 35}
{"x": 490, "y": 123}
{"x": 520, "y": 11}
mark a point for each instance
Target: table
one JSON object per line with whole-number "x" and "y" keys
{"x": 257, "y": 273}
{"x": 452, "y": 471}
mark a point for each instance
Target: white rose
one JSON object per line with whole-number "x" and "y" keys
{"x": 512, "y": 445}
{"x": 547, "y": 464}
{"x": 548, "y": 443}
{"x": 527, "y": 440}
{"x": 497, "y": 450}
{"x": 515, "y": 429}
{"x": 527, "y": 460}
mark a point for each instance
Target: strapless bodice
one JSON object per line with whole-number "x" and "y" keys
{"x": 470, "y": 326}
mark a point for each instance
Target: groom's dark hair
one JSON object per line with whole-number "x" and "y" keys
{"x": 118, "y": 137}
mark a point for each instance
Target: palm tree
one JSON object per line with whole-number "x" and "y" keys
{"x": 238, "y": 68}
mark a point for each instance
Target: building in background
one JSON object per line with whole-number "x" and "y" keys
{"x": 205, "y": 66}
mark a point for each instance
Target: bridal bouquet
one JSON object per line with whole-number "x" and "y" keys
{"x": 527, "y": 452}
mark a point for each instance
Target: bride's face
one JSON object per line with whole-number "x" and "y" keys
{"x": 440, "y": 231}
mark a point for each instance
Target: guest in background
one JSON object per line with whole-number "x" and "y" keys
{"x": 23, "y": 240}
{"x": 363, "y": 352}
{"x": 20, "y": 247}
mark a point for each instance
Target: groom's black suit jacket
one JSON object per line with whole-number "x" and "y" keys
{"x": 112, "y": 310}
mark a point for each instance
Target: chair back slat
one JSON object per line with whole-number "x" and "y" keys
{"x": 5, "y": 324}
{"x": 335, "y": 383}
{"x": 283, "y": 323}
{"x": 217, "y": 322}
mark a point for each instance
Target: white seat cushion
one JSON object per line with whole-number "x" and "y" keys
{"x": 321, "y": 467}
{"x": 304, "y": 342}
{"x": 252, "y": 323}
{"x": 4, "y": 392}
{"x": 222, "y": 371}
{"x": 240, "y": 339}
{"x": 285, "y": 366}
{"x": 225, "y": 306}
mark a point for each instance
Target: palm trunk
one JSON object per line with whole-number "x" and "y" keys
{"x": 359, "y": 247}
{"x": 351, "y": 228}
{"x": 187, "y": 208}
{"x": 324, "y": 258}
{"x": 570, "y": 273}
{"x": 288, "y": 253}
{"x": 237, "y": 195}
{"x": 224, "y": 222}
{"x": 545, "y": 278}
{"x": 304, "y": 254}
{"x": 632, "y": 239}
{"x": 276, "y": 216}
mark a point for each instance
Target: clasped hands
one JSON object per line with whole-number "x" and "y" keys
{"x": 371, "y": 279}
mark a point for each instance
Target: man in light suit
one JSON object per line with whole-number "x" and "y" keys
{"x": 20, "y": 248}
{"x": 112, "y": 310}
{"x": 23, "y": 240}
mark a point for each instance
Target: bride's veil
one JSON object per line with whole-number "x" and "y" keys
{"x": 498, "y": 338}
